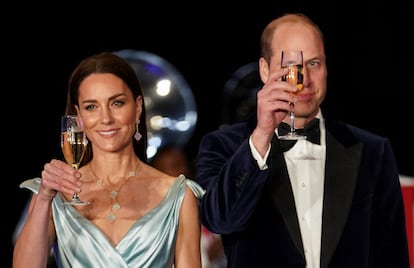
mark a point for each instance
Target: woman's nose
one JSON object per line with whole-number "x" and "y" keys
{"x": 106, "y": 116}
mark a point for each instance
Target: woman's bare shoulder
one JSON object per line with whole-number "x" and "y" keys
{"x": 158, "y": 177}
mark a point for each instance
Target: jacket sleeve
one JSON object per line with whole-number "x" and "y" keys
{"x": 232, "y": 179}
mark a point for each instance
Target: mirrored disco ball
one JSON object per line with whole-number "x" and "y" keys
{"x": 169, "y": 101}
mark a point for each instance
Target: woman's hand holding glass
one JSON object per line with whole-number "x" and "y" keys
{"x": 57, "y": 176}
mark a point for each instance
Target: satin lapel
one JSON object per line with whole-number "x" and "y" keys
{"x": 281, "y": 191}
{"x": 341, "y": 171}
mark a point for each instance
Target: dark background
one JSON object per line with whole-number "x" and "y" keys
{"x": 370, "y": 57}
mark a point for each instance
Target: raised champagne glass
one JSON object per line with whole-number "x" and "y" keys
{"x": 73, "y": 142}
{"x": 293, "y": 61}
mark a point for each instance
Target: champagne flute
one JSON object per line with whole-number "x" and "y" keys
{"x": 293, "y": 61}
{"x": 73, "y": 142}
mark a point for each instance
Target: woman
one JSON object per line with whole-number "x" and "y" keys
{"x": 138, "y": 215}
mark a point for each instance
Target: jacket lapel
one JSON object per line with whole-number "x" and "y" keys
{"x": 341, "y": 172}
{"x": 282, "y": 194}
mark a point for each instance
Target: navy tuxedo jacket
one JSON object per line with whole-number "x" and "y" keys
{"x": 363, "y": 221}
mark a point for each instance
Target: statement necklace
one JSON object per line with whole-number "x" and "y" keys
{"x": 113, "y": 193}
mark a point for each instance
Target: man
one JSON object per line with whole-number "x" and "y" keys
{"x": 333, "y": 203}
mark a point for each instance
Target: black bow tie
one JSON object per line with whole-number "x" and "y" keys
{"x": 311, "y": 131}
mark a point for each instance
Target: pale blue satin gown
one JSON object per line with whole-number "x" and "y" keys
{"x": 149, "y": 243}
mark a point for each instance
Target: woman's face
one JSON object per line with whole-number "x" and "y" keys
{"x": 109, "y": 112}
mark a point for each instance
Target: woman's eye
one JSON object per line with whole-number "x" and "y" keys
{"x": 90, "y": 107}
{"x": 118, "y": 103}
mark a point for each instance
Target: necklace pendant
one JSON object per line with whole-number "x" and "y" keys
{"x": 113, "y": 194}
{"x": 111, "y": 217}
{"x": 116, "y": 206}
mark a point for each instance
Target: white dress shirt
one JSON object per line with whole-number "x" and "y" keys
{"x": 306, "y": 165}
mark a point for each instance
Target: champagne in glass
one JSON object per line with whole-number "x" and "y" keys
{"x": 293, "y": 61}
{"x": 73, "y": 142}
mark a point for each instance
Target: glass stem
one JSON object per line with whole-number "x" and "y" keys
{"x": 75, "y": 195}
{"x": 292, "y": 117}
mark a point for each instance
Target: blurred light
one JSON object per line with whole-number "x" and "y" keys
{"x": 164, "y": 87}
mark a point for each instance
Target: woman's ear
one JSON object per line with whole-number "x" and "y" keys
{"x": 139, "y": 104}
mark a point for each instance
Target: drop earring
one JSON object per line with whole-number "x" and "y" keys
{"x": 137, "y": 135}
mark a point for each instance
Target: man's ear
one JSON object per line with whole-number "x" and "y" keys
{"x": 263, "y": 69}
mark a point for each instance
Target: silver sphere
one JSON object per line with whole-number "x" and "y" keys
{"x": 169, "y": 101}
